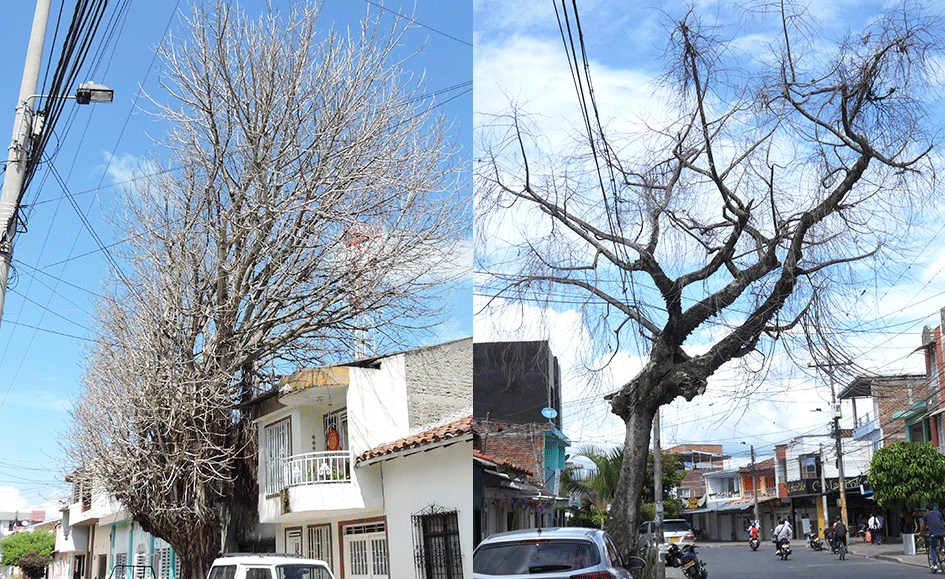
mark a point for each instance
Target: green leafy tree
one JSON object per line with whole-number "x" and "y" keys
{"x": 907, "y": 471}
{"x": 598, "y": 490}
{"x": 672, "y": 477}
{"x": 31, "y": 551}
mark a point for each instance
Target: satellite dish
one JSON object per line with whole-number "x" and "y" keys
{"x": 549, "y": 413}
{"x": 24, "y": 523}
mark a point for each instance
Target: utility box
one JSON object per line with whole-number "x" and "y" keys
{"x": 908, "y": 543}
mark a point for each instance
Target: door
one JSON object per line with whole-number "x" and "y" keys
{"x": 293, "y": 541}
{"x": 365, "y": 549}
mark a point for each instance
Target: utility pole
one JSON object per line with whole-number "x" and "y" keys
{"x": 823, "y": 486}
{"x": 658, "y": 494}
{"x": 754, "y": 487}
{"x": 835, "y": 408}
{"x": 16, "y": 159}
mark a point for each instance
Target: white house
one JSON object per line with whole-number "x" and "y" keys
{"x": 367, "y": 464}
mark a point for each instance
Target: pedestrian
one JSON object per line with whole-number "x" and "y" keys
{"x": 875, "y": 523}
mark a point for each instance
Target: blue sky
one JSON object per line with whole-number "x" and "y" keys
{"x": 58, "y": 264}
{"x": 519, "y": 57}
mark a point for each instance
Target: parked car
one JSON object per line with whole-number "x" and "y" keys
{"x": 674, "y": 531}
{"x": 555, "y": 553}
{"x": 268, "y": 566}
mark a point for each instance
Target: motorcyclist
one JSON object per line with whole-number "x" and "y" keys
{"x": 753, "y": 531}
{"x": 839, "y": 533}
{"x": 782, "y": 531}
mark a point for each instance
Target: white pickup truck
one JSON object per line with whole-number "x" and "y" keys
{"x": 268, "y": 566}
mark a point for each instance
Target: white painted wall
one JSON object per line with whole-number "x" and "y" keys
{"x": 377, "y": 404}
{"x": 441, "y": 477}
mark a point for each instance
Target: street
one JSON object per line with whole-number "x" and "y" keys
{"x": 737, "y": 560}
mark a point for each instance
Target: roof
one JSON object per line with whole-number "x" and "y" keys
{"x": 455, "y": 431}
{"x": 862, "y": 386}
{"x": 501, "y": 462}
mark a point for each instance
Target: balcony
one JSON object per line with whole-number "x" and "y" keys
{"x": 314, "y": 468}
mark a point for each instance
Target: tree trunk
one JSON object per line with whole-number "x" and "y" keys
{"x": 623, "y": 519}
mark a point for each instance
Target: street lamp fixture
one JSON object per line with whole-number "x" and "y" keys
{"x": 90, "y": 92}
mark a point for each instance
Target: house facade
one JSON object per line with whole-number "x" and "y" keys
{"x": 879, "y": 404}
{"x": 925, "y": 420}
{"x": 807, "y": 473}
{"x": 520, "y": 448}
{"x": 96, "y": 535}
{"x": 366, "y": 464}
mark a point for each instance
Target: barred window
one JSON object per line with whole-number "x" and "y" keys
{"x": 437, "y": 551}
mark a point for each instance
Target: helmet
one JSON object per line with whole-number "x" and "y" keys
{"x": 837, "y": 518}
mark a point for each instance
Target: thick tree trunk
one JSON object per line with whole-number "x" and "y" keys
{"x": 623, "y": 520}
{"x": 197, "y": 550}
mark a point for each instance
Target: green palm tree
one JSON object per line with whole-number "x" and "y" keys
{"x": 599, "y": 488}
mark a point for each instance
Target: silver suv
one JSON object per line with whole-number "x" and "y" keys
{"x": 268, "y": 566}
{"x": 556, "y": 553}
{"x": 674, "y": 531}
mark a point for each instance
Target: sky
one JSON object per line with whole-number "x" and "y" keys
{"x": 58, "y": 262}
{"x": 520, "y": 60}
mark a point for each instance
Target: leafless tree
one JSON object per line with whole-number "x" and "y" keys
{"x": 731, "y": 225}
{"x": 311, "y": 200}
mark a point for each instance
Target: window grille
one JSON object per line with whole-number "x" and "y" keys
{"x": 437, "y": 546}
{"x": 278, "y": 448}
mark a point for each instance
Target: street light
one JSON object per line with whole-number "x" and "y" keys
{"x": 15, "y": 172}
{"x": 90, "y": 92}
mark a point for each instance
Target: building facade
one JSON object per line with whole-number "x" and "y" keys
{"x": 366, "y": 464}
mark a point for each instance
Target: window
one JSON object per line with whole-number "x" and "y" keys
{"x": 319, "y": 543}
{"x": 437, "y": 550}
{"x": 278, "y": 438}
{"x": 223, "y": 572}
{"x": 258, "y": 573}
{"x": 163, "y": 563}
{"x": 810, "y": 466}
{"x": 336, "y": 430}
{"x": 515, "y": 558}
{"x": 121, "y": 565}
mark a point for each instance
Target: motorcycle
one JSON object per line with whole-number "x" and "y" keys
{"x": 673, "y": 556}
{"x": 814, "y": 541}
{"x": 784, "y": 549}
{"x": 754, "y": 542}
{"x": 692, "y": 566}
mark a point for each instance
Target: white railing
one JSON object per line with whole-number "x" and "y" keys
{"x": 317, "y": 468}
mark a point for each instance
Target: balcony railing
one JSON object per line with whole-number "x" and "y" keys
{"x": 317, "y": 468}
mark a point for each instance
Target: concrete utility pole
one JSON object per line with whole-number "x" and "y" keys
{"x": 754, "y": 487}
{"x": 835, "y": 408}
{"x": 16, "y": 159}
{"x": 658, "y": 494}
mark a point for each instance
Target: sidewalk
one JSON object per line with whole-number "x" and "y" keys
{"x": 891, "y": 550}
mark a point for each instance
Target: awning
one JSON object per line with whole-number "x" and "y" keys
{"x": 732, "y": 505}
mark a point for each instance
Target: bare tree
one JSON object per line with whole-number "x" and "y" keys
{"x": 311, "y": 200}
{"x": 734, "y": 224}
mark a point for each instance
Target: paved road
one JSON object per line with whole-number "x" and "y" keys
{"x": 736, "y": 560}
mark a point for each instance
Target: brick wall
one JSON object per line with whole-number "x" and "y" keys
{"x": 518, "y": 444}
{"x": 439, "y": 383}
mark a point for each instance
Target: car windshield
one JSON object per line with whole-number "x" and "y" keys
{"x": 535, "y": 556}
{"x": 302, "y": 572}
{"x": 675, "y": 527}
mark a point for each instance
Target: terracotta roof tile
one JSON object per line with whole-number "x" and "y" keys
{"x": 502, "y": 462}
{"x": 456, "y": 429}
